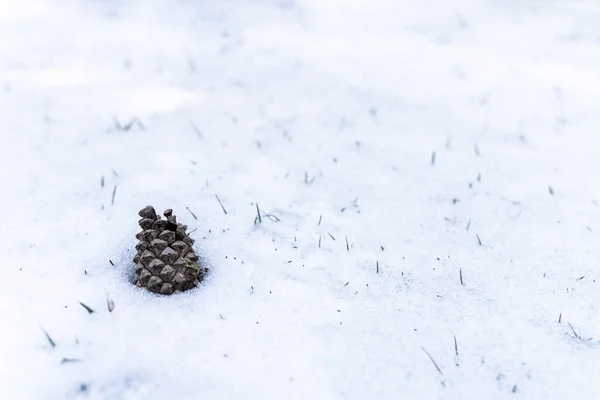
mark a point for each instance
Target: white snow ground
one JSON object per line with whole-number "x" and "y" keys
{"x": 310, "y": 108}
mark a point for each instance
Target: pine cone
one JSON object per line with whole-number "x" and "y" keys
{"x": 165, "y": 261}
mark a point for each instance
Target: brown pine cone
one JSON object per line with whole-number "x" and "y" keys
{"x": 165, "y": 261}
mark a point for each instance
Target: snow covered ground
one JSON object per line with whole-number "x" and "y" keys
{"x": 433, "y": 140}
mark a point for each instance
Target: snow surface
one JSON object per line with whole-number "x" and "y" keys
{"x": 436, "y": 137}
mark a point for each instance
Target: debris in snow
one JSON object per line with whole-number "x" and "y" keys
{"x": 110, "y": 304}
{"x": 432, "y": 361}
{"x": 478, "y": 239}
{"x": 112, "y": 201}
{"x": 258, "y": 217}
{"x": 50, "y": 341}
{"x": 69, "y": 360}
{"x": 191, "y": 212}
{"x": 88, "y": 309}
{"x": 196, "y": 130}
{"x": 221, "y": 204}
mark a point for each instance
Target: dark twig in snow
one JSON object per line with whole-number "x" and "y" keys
{"x": 127, "y": 127}
{"x": 461, "y": 279}
{"x": 377, "y": 264}
{"x": 574, "y": 333}
{"x": 320, "y": 219}
{"x": 196, "y": 130}
{"x": 111, "y": 263}
{"x": 112, "y": 201}
{"x": 223, "y": 207}
{"x": 50, "y": 341}
{"x": 433, "y": 158}
{"x": 346, "y": 284}
{"x": 69, "y": 360}
{"x": 306, "y": 180}
{"x": 433, "y": 361}
{"x": 319, "y": 240}
{"x": 455, "y": 346}
{"x": 478, "y": 240}
{"x": 330, "y": 235}
{"x": 272, "y": 217}
{"x": 476, "y": 149}
{"x": 102, "y": 181}
{"x": 468, "y": 225}
{"x": 258, "y": 217}
{"x": 110, "y": 304}
{"x": 347, "y": 246}
{"x": 560, "y": 318}
{"x": 551, "y": 190}
{"x": 88, "y": 309}
{"x": 191, "y": 212}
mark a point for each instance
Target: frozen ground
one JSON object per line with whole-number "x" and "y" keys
{"x": 436, "y": 136}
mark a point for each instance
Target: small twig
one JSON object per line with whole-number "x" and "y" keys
{"x": 69, "y": 360}
{"x": 560, "y": 318}
{"x": 433, "y": 158}
{"x": 306, "y": 181}
{"x": 476, "y": 149}
{"x": 195, "y": 128}
{"x": 320, "y": 219}
{"x": 50, "y": 341}
{"x": 574, "y": 333}
{"x": 346, "y": 284}
{"x": 347, "y": 246}
{"x": 448, "y": 143}
{"x": 191, "y": 212}
{"x": 468, "y": 225}
{"x": 112, "y": 201}
{"x": 455, "y": 346}
{"x": 330, "y": 235}
{"x": 377, "y": 264}
{"x": 258, "y": 215}
{"x": 433, "y": 361}
{"x": 220, "y": 316}
{"x": 102, "y": 181}
{"x": 88, "y": 309}
{"x": 127, "y": 127}
{"x": 109, "y": 303}
{"x": 272, "y": 217}
{"x": 461, "y": 279}
{"x": 478, "y": 239}
{"x": 319, "y": 240}
{"x": 551, "y": 190}
{"x": 223, "y": 207}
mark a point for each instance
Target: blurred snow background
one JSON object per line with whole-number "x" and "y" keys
{"x": 401, "y": 144}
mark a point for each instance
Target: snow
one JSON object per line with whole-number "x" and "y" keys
{"x": 319, "y": 111}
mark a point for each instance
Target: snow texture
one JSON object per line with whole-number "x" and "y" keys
{"x": 393, "y": 147}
